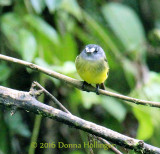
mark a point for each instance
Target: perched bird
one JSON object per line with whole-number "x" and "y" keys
{"x": 92, "y": 65}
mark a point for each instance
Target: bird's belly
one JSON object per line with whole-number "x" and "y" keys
{"x": 93, "y": 78}
{"x": 93, "y": 72}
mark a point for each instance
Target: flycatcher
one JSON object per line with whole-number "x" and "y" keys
{"x": 92, "y": 65}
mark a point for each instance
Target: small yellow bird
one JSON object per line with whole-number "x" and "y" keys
{"x": 92, "y": 65}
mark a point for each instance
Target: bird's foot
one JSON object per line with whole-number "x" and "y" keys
{"x": 97, "y": 89}
{"x": 83, "y": 86}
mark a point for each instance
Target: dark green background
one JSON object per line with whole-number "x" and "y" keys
{"x": 51, "y": 33}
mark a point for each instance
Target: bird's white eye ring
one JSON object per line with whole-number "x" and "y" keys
{"x": 87, "y": 50}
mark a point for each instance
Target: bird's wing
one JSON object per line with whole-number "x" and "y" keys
{"x": 106, "y": 60}
{"x": 77, "y": 58}
{"x": 107, "y": 66}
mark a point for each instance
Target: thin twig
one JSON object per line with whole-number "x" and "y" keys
{"x": 78, "y": 84}
{"x": 52, "y": 97}
{"x": 109, "y": 145}
{"x": 90, "y": 140}
{"x": 56, "y": 102}
{"x": 10, "y": 97}
{"x": 59, "y": 104}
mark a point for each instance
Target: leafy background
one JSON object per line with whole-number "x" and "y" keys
{"x": 51, "y": 33}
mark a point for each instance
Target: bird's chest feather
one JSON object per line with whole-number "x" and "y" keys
{"x": 92, "y": 71}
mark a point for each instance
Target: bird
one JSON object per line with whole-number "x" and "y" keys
{"x": 92, "y": 66}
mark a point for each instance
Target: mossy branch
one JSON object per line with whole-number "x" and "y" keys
{"x": 24, "y": 100}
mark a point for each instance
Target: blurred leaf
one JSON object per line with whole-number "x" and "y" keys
{"x": 75, "y": 98}
{"x": 67, "y": 68}
{"x": 41, "y": 62}
{"x": 38, "y": 5}
{"x": 83, "y": 36}
{"x": 28, "y": 45}
{"x": 66, "y": 23}
{"x": 4, "y": 136}
{"x": 154, "y": 37}
{"x": 72, "y": 7}
{"x": 155, "y": 11}
{"x": 148, "y": 118}
{"x": 149, "y": 90}
{"x": 5, "y": 2}
{"x": 53, "y": 4}
{"x": 54, "y": 54}
{"x": 16, "y": 125}
{"x": 130, "y": 71}
{"x": 88, "y": 99}
{"x": 47, "y": 49}
{"x": 145, "y": 129}
{"x": 43, "y": 28}
{"x": 10, "y": 24}
{"x": 114, "y": 107}
{"x": 129, "y": 30}
{"x": 4, "y": 72}
{"x": 21, "y": 39}
{"x": 69, "y": 47}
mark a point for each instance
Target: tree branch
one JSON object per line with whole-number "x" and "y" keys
{"x": 65, "y": 110}
{"x": 76, "y": 83}
{"x": 19, "y": 99}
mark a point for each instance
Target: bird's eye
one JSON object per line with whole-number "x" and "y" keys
{"x": 96, "y": 51}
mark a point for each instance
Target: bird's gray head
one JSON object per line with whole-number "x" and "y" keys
{"x": 93, "y": 52}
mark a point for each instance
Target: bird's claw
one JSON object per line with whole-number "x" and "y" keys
{"x": 83, "y": 86}
{"x": 97, "y": 89}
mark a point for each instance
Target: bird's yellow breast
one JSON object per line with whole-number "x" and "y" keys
{"x": 93, "y": 72}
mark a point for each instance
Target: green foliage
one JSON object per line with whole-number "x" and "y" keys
{"x": 11, "y": 24}
{"x": 43, "y": 28}
{"x": 148, "y": 119}
{"x": 53, "y": 4}
{"x": 5, "y": 72}
{"x": 28, "y": 45}
{"x": 18, "y": 126}
{"x": 90, "y": 99}
{"x": 114, "y": 107}
{"x": 5, "y": 2}
{"x": 145, "y": 123}
{"x": 38, "y": 5}
{"x": 126, "y": 26}
{"x": 51, "y": 33}
{"x": 71, "y": 7}
{"x": 4, "y": 137}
